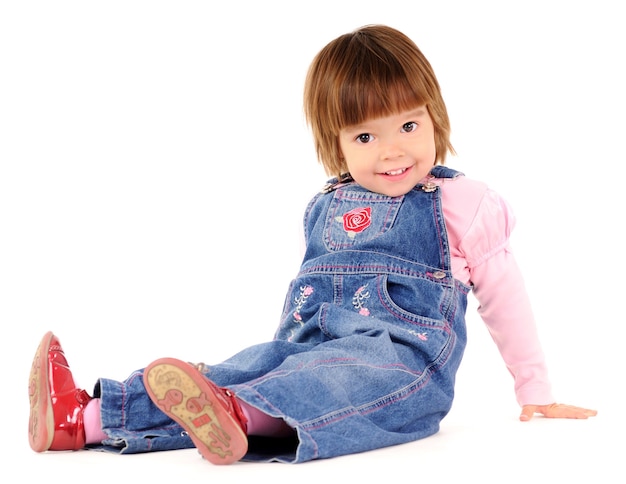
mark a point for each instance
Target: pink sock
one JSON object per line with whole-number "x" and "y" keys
{"x": 262, "y": 424}
{"x": 92, "y": 422}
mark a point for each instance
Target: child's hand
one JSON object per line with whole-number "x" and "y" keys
{"x": 555, "y": 410}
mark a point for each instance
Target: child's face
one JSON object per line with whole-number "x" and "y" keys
{"x": 390, "y": 155}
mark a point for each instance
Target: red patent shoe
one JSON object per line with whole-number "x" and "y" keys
{"x": 210, "y": 414}
{"x": 56, "y": 405}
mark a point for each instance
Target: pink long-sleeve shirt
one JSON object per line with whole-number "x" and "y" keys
{"x": 479, "y": 223}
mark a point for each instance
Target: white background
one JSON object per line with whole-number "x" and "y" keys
{"x": 155, "y": 165}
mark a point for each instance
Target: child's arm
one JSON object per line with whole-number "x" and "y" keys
{"x": 480, "y": 223}
{"x": 506, "y": 310}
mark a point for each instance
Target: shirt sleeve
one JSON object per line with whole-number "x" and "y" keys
{"x": 504, "y": 305}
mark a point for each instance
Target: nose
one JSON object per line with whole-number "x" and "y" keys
{"x": 390, "y": 149}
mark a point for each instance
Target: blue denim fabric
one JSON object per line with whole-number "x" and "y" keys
{"x": 370, "y": 339}
{"x": 132, "y": 422}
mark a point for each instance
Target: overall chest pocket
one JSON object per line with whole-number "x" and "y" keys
{"x": 355, "y": 217}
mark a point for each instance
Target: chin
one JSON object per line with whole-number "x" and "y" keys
{"x": 398, "y": 192}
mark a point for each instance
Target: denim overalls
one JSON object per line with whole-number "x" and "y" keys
{"x": 370, "y": 339}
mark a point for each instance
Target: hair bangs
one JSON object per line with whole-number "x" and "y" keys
{"x": 368, "y": 97}
{"x": 375, "y": 88}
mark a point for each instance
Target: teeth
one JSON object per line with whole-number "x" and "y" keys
{"x": 395, "y": 172}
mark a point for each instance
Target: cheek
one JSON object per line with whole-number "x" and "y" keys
{"x": 351, "y": 167}
{"x": 433, "y": 146}
{"x": 433, "y": 152}
{"x": 346, "y": 156}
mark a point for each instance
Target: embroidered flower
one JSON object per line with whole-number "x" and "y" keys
{"x": 305, "y": 292}
{"x": 357, "y": 220}
{"x": 422, "y": 336}
{"x": 358, "y": 300}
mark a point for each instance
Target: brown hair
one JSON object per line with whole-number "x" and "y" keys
{"x": 373, "y": 72}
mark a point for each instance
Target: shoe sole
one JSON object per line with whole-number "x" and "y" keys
{"x": 41, "y": 419}
{"x": 187, "y": 397}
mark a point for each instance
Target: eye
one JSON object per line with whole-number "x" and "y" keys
{"x": 364, "y": 138}
{"x": 410, "y": 126}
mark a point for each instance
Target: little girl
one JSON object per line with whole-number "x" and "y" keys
{"x": 373, "y": 327}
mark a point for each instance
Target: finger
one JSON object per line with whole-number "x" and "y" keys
{"x": 579, "y": 412}
{"x": 567, "y": 411}
{"x": 527, "y": 412}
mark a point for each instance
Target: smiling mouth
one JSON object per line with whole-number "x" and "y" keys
{"x": 396, "y": 172}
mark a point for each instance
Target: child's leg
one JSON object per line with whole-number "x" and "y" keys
{"x": 258, "y": 423}
{"x": 64, "y": 417}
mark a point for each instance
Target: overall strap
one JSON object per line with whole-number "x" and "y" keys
{"x": 441, "y": 171}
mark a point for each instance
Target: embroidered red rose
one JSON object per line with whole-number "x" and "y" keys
{"x": 357, "y": 219}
